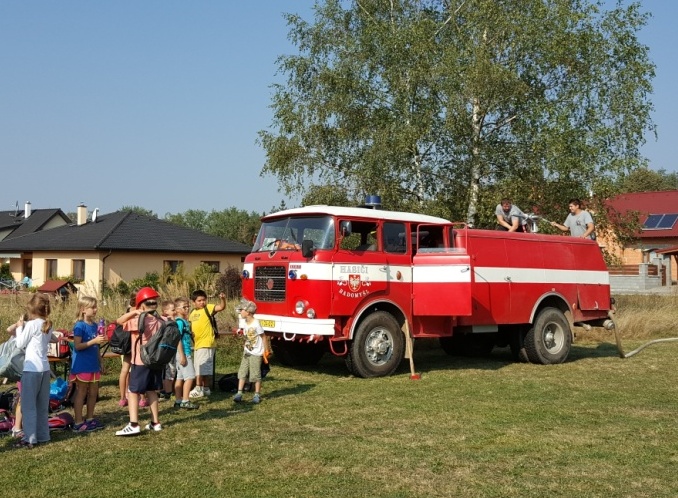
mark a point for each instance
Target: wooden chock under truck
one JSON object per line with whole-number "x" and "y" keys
{"x": 363, "y": 283}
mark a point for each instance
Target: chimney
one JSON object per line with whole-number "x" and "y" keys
{"x": 27, "y": 209}
{"x": 82, "y": 214}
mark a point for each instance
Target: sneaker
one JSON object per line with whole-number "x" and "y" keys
{"x": 153, "y": 427}
{"x": 122, "y": 403}
{"x": 177, "y": 404}
{"x": 237, "y": 398}
{"x": 256, "y": 399}
{"x": 81, "y": 427}
{"x": 187, "y": 405}
{"x": 206, "y": 391}
{"x": 143, "y": 403}
{"x": 163, "y": 396}
{"x": 17, "y": 434}
{"x": 196, "y": 393}
{"x": 129, "y": 430}
{"x": 95, "y": 425}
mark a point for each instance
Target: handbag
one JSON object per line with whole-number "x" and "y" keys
{"x": 11, "y": 360}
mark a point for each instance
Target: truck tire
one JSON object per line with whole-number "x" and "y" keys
{"x": 297, "y": 354}
{"x": 549, "y": 340}
{"x": 378, "y": 346}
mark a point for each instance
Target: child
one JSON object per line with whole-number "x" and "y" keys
{"x": 123, "y": 379}
{"x": 86, "y": 366}
{"x": 143, "y": 380}
{"x": 255, "y": 346}
{"x": 17, "y": 431}
{"x": 35, "y": 336}
{"x": 170, "y": 372}
{"x": 205, "y": 342}
{"x": 184, "y": 361}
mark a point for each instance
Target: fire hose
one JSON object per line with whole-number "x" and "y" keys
{"x": 610, "y": 325}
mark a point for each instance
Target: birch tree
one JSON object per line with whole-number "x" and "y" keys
{"x": 443, "y": 105}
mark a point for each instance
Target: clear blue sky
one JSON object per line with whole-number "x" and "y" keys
{"x": 158, "y": 103}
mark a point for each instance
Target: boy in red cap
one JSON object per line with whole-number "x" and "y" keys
{"x": 142, "y": 380}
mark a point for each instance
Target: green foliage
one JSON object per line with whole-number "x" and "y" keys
{"x": 233, "y": 224}
{"x": 230, "y": 283}
{"x": 446, "y": 107}
{"x": 139, "y": 210}
{"x": 5, "y": 274}
{"x": 151, "y": 279}
{"x": 326, "y": 194}
{"x": 647, "y": 180}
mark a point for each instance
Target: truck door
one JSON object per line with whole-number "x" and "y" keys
{"x": 358, "y": 268}
{"x": 441, "y": 274}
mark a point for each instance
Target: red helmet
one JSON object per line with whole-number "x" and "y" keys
{"x": 144, "y": 294}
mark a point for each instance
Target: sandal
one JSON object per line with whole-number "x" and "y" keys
{"x": 17, "y": 434}
{"x": 23, "y": 444}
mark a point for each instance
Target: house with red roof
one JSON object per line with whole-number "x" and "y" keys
{"x": 656, "y": 240}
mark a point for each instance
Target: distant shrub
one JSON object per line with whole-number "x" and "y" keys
{"x": 230, "y": 282}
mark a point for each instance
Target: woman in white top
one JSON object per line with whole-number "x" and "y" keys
{"x": 35, "y": 336}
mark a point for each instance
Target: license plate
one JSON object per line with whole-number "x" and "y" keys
{"x": 267, "y": 323}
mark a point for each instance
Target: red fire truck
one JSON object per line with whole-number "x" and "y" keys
{"x": 355, "y": 281}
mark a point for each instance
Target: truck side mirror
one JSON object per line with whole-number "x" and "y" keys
{"x": 307, "y": 248}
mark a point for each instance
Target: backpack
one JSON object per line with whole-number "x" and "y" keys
{"x": 119, "y": 340}
{"x": 161, "y": 348}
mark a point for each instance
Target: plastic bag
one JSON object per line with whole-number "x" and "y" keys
{"x": 58, "y": 389}
{"x": 11, "y": 360}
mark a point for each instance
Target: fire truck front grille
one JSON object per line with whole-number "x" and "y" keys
{"x": 269, "y": 283}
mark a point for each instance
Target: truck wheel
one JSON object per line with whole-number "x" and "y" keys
{"x": 378, "y": 346}
{"x": 548, "y": 341}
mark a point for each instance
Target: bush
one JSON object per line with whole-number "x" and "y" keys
{"x": 230, "y": 283}
{"x": 5, "y": 274}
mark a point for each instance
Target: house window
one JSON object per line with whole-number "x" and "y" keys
{"x": 51, "y": 268}
{"x": 79, "y": 269}
{"x": 214, "y": 265}
{"x": 172, "y": 265}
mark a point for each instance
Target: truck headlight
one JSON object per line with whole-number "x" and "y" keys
{"x": 299, "y": 307}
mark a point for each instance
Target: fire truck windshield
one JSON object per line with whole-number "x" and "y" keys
{"x": 288, "y": 233}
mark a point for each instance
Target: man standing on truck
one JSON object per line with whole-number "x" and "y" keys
{"x": 509, "y": 217}
{"x": 579, "y": 222}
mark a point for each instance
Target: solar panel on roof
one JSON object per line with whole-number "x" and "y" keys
{"x": 667, "y": 221}
{"x": 652, "y": 220}
{"x": 660, "y": 222}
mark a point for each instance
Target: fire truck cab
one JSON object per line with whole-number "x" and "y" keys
{"x": 356, "y": 281}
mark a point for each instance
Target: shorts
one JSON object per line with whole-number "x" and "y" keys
{"x": 204, "y": 361}
{"x": 250, "y": 365}
{"x": 85, "y": 377}
{"x": 186, "y": 372}
{"x": 142, "y": 379}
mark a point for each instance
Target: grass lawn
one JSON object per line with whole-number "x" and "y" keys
{"x": 594, "y": 426}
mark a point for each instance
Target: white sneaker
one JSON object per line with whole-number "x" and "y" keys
{"x": 153, "y": 427}
{"x": 196, "y": 393}
{"x": 206, "y": 391}
{"x": 128, "y": 430}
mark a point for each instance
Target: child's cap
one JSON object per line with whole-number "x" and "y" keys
{"x": 246, "y": 305}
